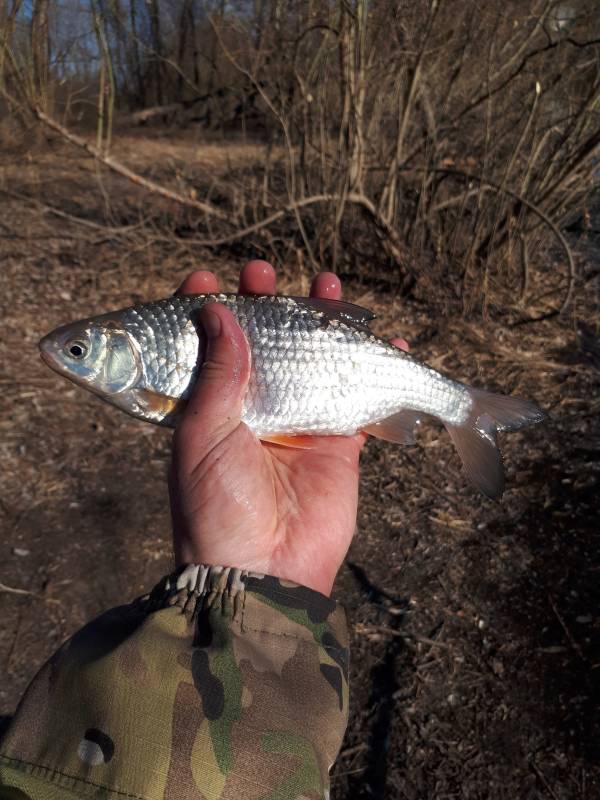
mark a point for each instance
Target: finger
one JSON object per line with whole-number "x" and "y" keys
{"x": 215, "y": 406}
{"x": 326, "y": 285}
{"x": 200, "y": 282}
{"x": 257, "y": 277}
{"x": 402, "y": 344}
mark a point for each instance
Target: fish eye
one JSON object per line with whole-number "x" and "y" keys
{"x": 77, "y": 349}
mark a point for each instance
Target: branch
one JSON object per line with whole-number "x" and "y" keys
{"x": 488, "y": 185}
{"x": 27, "y": 593}
{"x": 86, "y": 223}
{"x": 284, "y": 127}
{"x": 388, "y": 235}
{"x": 291, "y": 208}
{"x": 551, "y": 46}
{"x": 124, "y": 171}
{"x": 116, "y": 166}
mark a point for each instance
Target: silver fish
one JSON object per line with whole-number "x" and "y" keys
{"x": 317, "y": 369}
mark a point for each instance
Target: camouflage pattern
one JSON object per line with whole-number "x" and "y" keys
{"x": 220, "y": 684}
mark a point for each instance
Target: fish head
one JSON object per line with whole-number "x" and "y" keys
{"x": 96, "y": 354}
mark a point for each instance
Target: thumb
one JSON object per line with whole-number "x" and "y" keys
{"x": 215, "y": 406}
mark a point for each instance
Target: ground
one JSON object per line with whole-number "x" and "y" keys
{"x": 475, "y": 664}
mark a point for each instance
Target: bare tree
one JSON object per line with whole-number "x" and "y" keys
{"x": 157, "y": 55}
{"x": 460, "y": 138}
{"x": 134, "y": 49}
{"x": 40, "y": 51}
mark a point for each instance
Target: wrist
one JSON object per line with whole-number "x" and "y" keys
{"x": 320, "y": 578}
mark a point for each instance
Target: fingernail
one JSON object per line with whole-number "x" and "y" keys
{"x": 211, "y": 323}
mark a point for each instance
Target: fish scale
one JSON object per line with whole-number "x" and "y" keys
{"x": 316, "y": 368}
{"x": 309, "y": 374}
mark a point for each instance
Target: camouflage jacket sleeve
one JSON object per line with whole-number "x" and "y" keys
{"x": 220, "y": 684}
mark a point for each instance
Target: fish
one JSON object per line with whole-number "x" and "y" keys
{"x": 317, "y": 369}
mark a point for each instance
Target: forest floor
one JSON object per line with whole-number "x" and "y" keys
{"x": 475, "y": 665}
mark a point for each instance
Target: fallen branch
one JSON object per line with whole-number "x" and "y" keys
{"x": 183, "y": 106}
{"x": 124, "y": 171}
{"x": 387, "y": 234}
{"x": 115, "y": 165}
{"x": 385, "y": 231}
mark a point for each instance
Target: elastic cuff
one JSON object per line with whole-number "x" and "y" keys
{"x": 248, "y": 599}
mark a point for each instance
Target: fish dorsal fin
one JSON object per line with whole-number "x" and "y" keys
{"x": 337, "y": 309}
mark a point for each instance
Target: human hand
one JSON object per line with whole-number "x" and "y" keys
{"x": 239, "y": 502}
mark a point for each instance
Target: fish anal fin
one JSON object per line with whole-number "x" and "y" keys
{"x": 399, "y": 428}
{"x": 160, "y": 407}
{"x": 290, "y": 440}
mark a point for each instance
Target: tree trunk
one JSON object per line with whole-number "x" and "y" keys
{"x": 183, "y": 32}
{"x": 157, "y": 59}
{"x": 135, "y": 51}
{"x": 40, "y": 52}
{"x": 7, "y": 27}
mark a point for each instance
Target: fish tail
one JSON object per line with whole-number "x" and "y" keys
{"x": 475, "y": 439}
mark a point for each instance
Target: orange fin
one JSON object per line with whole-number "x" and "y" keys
{"x": 399, "y": 428}
{"x": 161, "y": 404}
{"x": 290, "y": 440}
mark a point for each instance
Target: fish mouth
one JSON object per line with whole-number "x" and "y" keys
{"x": 46, "y": 352}
{"x": 49, "y": 354}
{"x": 46, "y": 358}
{"x": 45, "y": 355}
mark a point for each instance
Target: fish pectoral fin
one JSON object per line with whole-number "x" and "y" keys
{"x": 161, "y": 405}
{"x": 399, "y": 428}
{"x": 290, "y": 440}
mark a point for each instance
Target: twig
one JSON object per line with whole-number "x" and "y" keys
{"x": 525, "y": 262}
{"x": 487, "y": 185}
{"x": 352, "y": 751}
{"x": 386, "y": 232}
{"x": 542, "y": 779}
{"x": 388, "y": 195}
{"x": 284, "y": 127}
{"x": 484, "y": 95}
{"x": 367, "y": 630}
{"x": 568, "y": 633}
{"x": 12, "y": 590}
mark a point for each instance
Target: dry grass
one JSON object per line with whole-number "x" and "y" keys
{"x": 191, "y": 150}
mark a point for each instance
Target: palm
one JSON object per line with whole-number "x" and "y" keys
{"x": 317, "y": 495}
{"x": 293, "y": 511}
